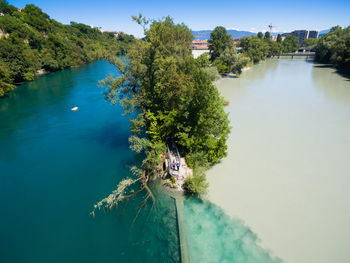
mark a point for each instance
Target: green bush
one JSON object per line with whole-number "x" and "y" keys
{"x": 196, "y": 185}
{"x": 212, "y": 73}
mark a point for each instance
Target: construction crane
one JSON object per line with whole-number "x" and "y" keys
{"x": 270, "y": 26}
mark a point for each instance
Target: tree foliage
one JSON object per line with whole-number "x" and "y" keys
{"x": 310, "y": 42}
{"x": 290, "y": 44}
{"x": 218, "y": 42}
{"x": 173, "y": 94}
{"x": 223, "y": 52}
{"x": 279, "y": 38}
{"x": 334, "y": 48}
{"x": 196, "y": 185}
{"x": 267, "y": 35}
{"x": 30, "y": 41}
{"x": 257, "y": 49}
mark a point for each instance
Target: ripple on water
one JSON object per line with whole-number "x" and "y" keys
{"x": 215, "y": 237}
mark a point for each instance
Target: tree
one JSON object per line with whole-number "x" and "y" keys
{"x": 203, "y": 60}
{"x": 334, "y": 48}
{"x": 290, "y": 44}
{"x": 232, "y": 61}
{"x": 218, "y": 42}
{"x": 275, "y": 48}
{"x": 255, "y": 48}
{"x": 32, "y": 41}
{"x": 5, "y": 80}
{"x": 267, "y": 35}
{"x": 196, "y": 185}
{"x": 279, "y": 38}
{"x": 173, "y": 94}
{"x": 310, "y": 42}
{"x": 260, "y": 35}
{"x": 224, "y": 54}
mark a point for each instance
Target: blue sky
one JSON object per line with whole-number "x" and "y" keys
{"x": 251, "y": 15}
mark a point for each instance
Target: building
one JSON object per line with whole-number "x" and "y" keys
{"x": 96, "y": 27}
{"x": 302, "y": 34}
{"x": 116, "y": 33}
{"x": 200, "y": 44}
{"x": 313, "y": 34}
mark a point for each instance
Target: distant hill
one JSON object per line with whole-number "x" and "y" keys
{"x": 32, "y": 43}
{"x": 205, "y": 34}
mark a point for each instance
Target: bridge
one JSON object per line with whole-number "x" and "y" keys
{"x": 297, "y": 54}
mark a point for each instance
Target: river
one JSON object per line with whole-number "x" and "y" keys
{"x": 287, "y": 174}
{"x": 281, "y": 195}
{"x": 55, "y": 164}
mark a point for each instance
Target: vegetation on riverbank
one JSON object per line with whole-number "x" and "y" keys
{"x": 32, "y": 42}
{"x": 334, "y": 48}
{"x": 223, "y": 54}
{"x": 258, "y": 48}
{"x": 174, "y": 99}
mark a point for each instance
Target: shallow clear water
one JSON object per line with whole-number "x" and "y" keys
{"x": 213, "y": 236}
{"x": 287, "y": 173}
{"x": 55, "y": 164}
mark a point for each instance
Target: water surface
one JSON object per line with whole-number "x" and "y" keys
{"x": 287, "y": 174}
{"x": 55, "y": 164}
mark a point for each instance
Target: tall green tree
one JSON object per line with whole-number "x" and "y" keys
{"x": 255, "y": 48}
{"x": 173, "y": 94}
{"x": 290, "y": 44}
{"x": 334, "y": 48}
{"x": 267, "y": 35}
{"x": 260, "y": 35}
{"x": 279, "y": 38}
{"x": 275, "y": 48}
{"x": 310, "y": 42}
{"x": 218, "y": 42}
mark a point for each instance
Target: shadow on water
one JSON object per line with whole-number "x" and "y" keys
{"x": 332, "y": 86}
{"x": 215, "y": 237}
{"x": 110, "y": 134}
{"x": 335, "y": 71}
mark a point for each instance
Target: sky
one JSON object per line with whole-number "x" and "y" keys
{"x": 250, "y": 15}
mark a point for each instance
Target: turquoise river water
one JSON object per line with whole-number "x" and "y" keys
{"x": 55, "y": 164}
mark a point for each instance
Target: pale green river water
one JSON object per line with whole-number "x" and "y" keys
{"x": 287, "y": 174}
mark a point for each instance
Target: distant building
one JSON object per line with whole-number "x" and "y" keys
{"x": 200, "y": 44}
{"x": 97, "y": 27}
{"x": 313, "y": 34}
{"x": 302, "y": 34}
{"x": 116, "y": 33}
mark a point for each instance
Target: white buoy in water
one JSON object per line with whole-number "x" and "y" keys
{"x": 75, "y": 108}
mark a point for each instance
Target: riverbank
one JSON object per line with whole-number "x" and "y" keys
{"x": 286, "y": 174}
